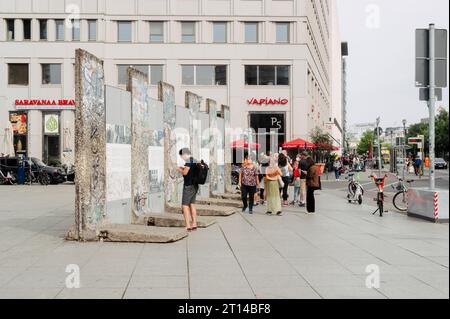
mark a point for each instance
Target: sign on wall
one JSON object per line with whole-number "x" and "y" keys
{"x": 42, "y": 104}
{"x": 267, "y": 101}
{"x": 51, "y": 124}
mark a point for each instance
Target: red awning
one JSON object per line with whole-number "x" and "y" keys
{"x": 244, "y": 144}
{"x": 299, "y": 144}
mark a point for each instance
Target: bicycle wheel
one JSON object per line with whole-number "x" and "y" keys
{"x": 400, "y": 201}
{"x": 352, "y": 189}
{"x": 381, "y": 204}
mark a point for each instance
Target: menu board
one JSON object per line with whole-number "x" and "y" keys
{"x": 19, "y": 123}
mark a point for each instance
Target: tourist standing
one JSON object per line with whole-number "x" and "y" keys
{"x": 248, "y": 181}
{"x": 190, "y": 190}
{"x": 337, "y": 169}
{"x": 296, "y": 181}
{"x": 264, "y": 163}
{"x": 273, "y": 177}
{"x": 285, "y": 168}
{"x": 312, "y": 184}
{"x": 303, "y": 171}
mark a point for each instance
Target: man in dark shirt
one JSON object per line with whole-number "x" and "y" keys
{"x": 190, "y": 189}
{"x": 303, "y": 166}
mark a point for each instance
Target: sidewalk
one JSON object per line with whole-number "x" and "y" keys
{"x": 242, "y": 256}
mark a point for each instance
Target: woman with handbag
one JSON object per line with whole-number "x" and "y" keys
{"x": 274, "y": 183}
{"x": 312, "y": 184}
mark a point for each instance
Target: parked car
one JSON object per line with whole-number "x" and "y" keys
{"x": 440, "y": 163}
{"x": 10, "y": 164}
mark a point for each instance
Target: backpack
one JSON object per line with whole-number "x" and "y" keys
{"x": 200, "y": 173}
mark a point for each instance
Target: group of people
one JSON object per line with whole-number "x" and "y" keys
{"x": 343, "y": 164}
{"x": 272, "y": 176}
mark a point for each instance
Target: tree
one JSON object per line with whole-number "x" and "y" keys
{"x": 367, "y": 140}
{"x": 319, "y": 137}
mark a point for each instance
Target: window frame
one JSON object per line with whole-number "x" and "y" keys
{"x": 214, "y": 79}
{"x": 41, "y": 23}
{"x": 124, "y": 22}
{"x": 9, "y": 23}
{"x": 248, "y": 23}
{"x": 225, "y": 24}
{"x": 89, "y": 23}
{"x": 288, "y": 32}
{"x": 9, "y": 73}
{"x": 76, "y": 25}
{"x": 60, "y": 22}
{"x": 194, "y": 35}
{"x": 276, "y": 66}
{"x": 30, "y": 29}
{"x": 162, "y": 32}
{"x": 60, "y": 74}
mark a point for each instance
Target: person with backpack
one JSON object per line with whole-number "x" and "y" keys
{"x": 193, "y": 175}
{"x": 248, "y": 182}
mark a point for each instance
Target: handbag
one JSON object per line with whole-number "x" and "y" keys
{"x": 280, "y": 182}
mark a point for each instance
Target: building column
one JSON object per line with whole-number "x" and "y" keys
{"x": 84, "y": 30}
{"x": 35, "y": 137}
{"x": 35, "y": 30}
{"x": 18, "y": 30}
{"x": 51, "y": 30}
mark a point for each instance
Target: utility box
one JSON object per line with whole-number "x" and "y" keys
{"x": 429, "y": 205}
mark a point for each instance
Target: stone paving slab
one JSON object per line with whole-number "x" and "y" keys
{"x": 208, "y": 210}
{"x": 172, "y": 220}
{"x": 219, "y": 202}
{"x": 141, "y": 234}
{"x": 232, "y": 196}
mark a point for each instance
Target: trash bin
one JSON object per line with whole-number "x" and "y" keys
{"x": 21, "y": 173}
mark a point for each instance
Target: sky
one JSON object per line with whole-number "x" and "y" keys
{"x": 381, "y": 61}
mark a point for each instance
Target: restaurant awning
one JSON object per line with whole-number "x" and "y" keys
{"x": 244, "y": 144}
{"x": 298, "y": 144}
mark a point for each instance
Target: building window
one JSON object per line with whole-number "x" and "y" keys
{"x": 51, "y": 73}
{"x": 123, "y": 74}
{"x": 157, "y": 32}
{"x": 251, "y": 32}
{"x": 92, "y": 30}
{"x": 27, "y": 29}
{"x": 267, "y": 74}
{"x": 60, "y": 30}
{"x": 75, "y": 30}
{"x": 18, "y": 74}
{"x": 43, "y": 30}
{"x": 188, "y": 32}
{"x": 219, "y": 32}
{"x": 124, "y": 31}
{"x": 10, "y": 29}
{"x": 282, "y": 32}
{"x": 156, "y": 74}
{"x": 204, "y": 75}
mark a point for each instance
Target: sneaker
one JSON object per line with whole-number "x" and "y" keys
{"x": 244, "y": 210}
{"x": 269, "y": 213}
{"x": 279, "y": 214}
{"x": 302, "y": 205}
{"x": 250, "y": 212}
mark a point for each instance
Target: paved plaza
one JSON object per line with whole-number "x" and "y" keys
{"x": 242, "y": 256}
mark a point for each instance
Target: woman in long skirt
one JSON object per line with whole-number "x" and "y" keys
{"x": 273, "y": 175}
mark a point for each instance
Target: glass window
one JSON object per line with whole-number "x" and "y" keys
{"x": 157, "y": 32}
{"x": 27, "y": 29}
{"x": 75, "y": 30}
{"x": 60, "y": 30}
{"x": 10, "y": 29}
{"x": 220, "y": 75}
{"x": 251, "y": 32}
{"x": 156, "y": 74}
{"x": 283, "y": 75}
{"x": 43, "y": 29}
{"x": 51, "y": 73}
{"x": 188, "y": 32}
{"x": 123, "y": 73}
{"x": 266, "y": 75}
{"x": 251, "y": 75}
{"x": 18, "y": 73}
{"x": 282, "y": 32}
{"x": 204, "y": 75}
{"x": 124, "y": 31}
{"x": 92, "y": 30}
{"x": 219, "y": 32}
{"x": 187, "y": 72}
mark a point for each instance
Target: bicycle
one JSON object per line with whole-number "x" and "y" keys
{"x": 400, "y": 200}
{"x": 37, "y": 176}
{"x": 379, "y": 182}
{"x": 355, "y": 190}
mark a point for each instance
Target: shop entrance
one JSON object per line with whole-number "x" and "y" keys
{"x": 270, "y": 129}
{"x": 51, "y": 142}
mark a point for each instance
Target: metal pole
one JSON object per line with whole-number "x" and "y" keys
{"x": 432, "y": 105}
{"x": 404, "y": 149}
{"x": 379, "y": 146}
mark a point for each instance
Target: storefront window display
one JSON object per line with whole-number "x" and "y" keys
{"x": 19, "y": 121}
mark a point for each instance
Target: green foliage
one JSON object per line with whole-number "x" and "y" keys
{"x": 365, "y": 143}
{"x": 320, "y": 137}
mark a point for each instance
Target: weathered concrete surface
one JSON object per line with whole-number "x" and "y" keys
{"x": 220, "y": 202}
{"x": 88, "y": 234}
{"x": 232, "y": 196}
{"x": 207, "y": 210}
{"x": 227, "y": 148}
{"x": 90, "y": 142}
{"x": 172, "y": 220}
{"x": 215, "y": 140}
{"x": 141, "y": 234}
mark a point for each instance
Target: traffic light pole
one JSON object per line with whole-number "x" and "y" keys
{"x": 379, "y": 146}
{"x": 432, "y": 105}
